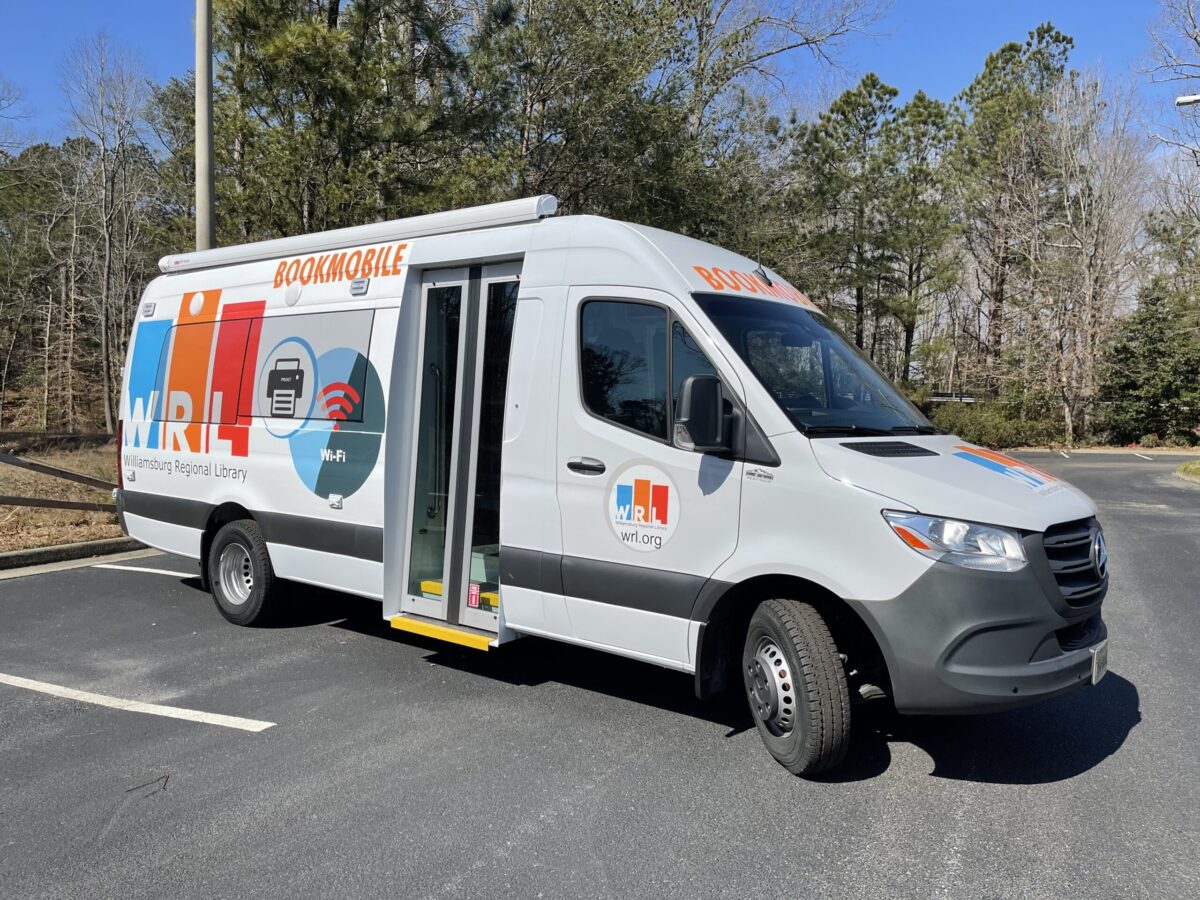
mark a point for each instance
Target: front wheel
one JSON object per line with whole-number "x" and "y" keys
{"x": 240, "y": 573}
{"x": 796, "y": 684}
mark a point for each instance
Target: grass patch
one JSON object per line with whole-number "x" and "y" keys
{"x": 22, "y": 527}
{"x": 1190, "y": 469}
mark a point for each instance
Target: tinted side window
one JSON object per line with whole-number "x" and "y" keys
{"x": 623, "y": 356}
{"x": 686, "y": 359}
{"x": 314, "y": 366}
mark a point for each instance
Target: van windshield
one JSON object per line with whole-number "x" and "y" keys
{"x": 824, "y": 384}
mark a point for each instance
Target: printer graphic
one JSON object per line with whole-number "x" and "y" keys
{"x": 285, "y": 385}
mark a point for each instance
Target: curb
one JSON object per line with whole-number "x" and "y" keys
{"x": 36, "y": 556}
{"x": 1186, "y": 477}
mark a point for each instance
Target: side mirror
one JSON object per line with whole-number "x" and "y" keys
{"x": 700, "y": 419}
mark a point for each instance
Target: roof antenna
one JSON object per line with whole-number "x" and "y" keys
{"x": 760, "y": 271}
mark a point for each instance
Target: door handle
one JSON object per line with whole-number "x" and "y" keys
{"x": 585, "y": 465}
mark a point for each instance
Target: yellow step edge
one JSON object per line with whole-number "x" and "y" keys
{"x": 441, "y": 632}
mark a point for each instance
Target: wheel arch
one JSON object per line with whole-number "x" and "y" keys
{"x": 221, "y": 515}
{"x": 725, "y": 613}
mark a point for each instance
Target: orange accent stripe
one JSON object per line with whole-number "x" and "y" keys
{"x": 641, "y": 497}
{"x": 1005, "y": 460}
{"x": 189, "y": 361}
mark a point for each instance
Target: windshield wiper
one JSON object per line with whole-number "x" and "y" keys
{"x": 862, "y": 430}
{"x": 915, "y": 429}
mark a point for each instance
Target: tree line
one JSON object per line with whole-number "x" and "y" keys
{"x": 1025, "y": 245}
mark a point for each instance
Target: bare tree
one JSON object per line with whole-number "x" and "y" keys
{"x": 106, "y": 94}
{"x": 1078, "y": 218}
{"x": 10, "y": 113}
{"x": 1175, "y": 50}
{"x": 735, "y": 45}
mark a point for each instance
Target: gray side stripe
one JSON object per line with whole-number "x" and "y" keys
{"x": 344, "y": 538}
{"x": 176, "y": 510}
{"x": 531, "y": 569}
{"x": 637, "y": 587}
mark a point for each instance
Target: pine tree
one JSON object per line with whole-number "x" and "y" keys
{"x": 1154, "y": 362}
{"x": 841, "y": 168}
{"x": 917, "y": 213}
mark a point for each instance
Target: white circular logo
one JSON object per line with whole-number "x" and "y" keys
{"x": 643, "y": 507}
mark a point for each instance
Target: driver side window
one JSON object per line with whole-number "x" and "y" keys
{"x": 629, "y": 353}
{"x": 686, "y": 359}
{"x": 623, "y": 357}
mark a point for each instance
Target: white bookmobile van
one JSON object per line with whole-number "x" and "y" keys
{"x": 501, "y": 423}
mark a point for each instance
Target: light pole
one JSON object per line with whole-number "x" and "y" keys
{"x": 206, "y": 234}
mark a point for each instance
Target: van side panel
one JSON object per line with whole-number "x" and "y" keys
{"x": 142, "y": 397}
{"x": 334, "y": 459}
{"x": 233, "y": 395}
{"x": 168, "y": 536}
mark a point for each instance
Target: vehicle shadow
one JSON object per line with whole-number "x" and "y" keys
{"x": 306, "y": 605}
{"x": 1036, "y": 744}
{"x": 534, "y": 661}
{"x": 529, "y": 662}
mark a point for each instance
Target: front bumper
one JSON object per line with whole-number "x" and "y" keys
{"x": 965, "y": 641}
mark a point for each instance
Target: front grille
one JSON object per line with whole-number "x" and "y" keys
{"x": 1069, "y": 551}
{"x": 889, "y": 448}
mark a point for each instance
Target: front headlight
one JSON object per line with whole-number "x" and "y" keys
{"x": 967, "y": 544}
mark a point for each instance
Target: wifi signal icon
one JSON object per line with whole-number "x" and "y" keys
{"x": 338, "y": 399}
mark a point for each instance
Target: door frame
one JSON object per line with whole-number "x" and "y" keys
{"x": 433, "y": 278}
{"x": 464, "y": 445}
{"x": 498, "y": 273}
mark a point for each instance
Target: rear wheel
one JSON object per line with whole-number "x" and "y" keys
{"x": 240, "y": 573}
{"x": 796, "y": 686}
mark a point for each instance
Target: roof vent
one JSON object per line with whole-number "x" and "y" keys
{"x": 889, "y": 448}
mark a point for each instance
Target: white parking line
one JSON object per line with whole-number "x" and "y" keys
{"x": 145, "y": 569}
{"x": 154, "y": 709}
{"x": 67, "y": 565}
{"x": 1151, "y": 458}
{"x": 1064, "y": 454}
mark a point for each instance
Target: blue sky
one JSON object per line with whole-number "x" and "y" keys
{"x": 940, "y": 45}
{"x": 935, "y": 45}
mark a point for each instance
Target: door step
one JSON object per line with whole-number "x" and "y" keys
{"x": 440, "y": 631}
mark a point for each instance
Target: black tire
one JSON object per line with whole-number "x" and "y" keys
{"x": 796, "y": 685}
{"x": 205, "y": 583}
{"x": 245, "y": 592}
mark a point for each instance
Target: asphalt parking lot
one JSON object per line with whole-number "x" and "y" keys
{"x": 395, "y": 765}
